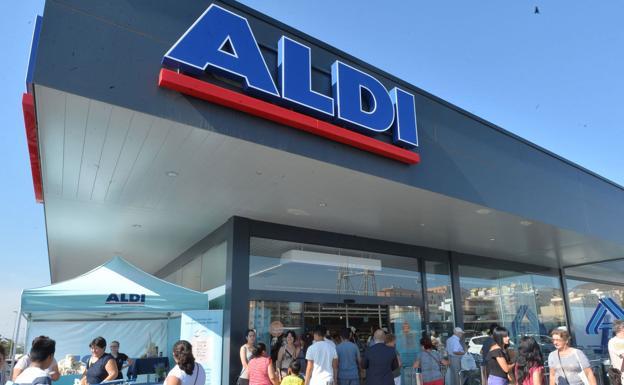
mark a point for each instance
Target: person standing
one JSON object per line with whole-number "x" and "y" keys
{"x": 186, "y": 371}
{"x": 101, "y": 365}
{"x": 430, "y": 363}
{"x": 567, "y": 365}
{"x": 488, "y": 342}
{"x": 2, "y": 365}
{"x": 120, "y": 358}
{"x": 529, "y": 369}
{"x": 322, "y": 365}
{"x": 349, "y": 360}
{"x": 260, "y": 368}
{"x": 616, "y": 353}
{"x": 24, "y": 362}
{"x": 41, "y": 356}
{"x": 497, "y": 359}
{"x": 245, "y": 353}
{"x": 455, "y": 350}
{"x": 391, "y": 342}
{"x": 287, "y": 354}
{"x": 380, "y": 361}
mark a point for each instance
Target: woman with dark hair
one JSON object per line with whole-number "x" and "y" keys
{"x": 245, "y": 354}
{"x": 529, "y": 368}
{"x": 430, "y": 363}
{"x": 287, "y": 354}
{"x": 305, "y": 341}
{"x": 568, "y": 366}
{"x": 260, "y": 368}
{"x": 186, "y": 371}
{"x": 497, "y": 359}
{"x": 101, "y": 366}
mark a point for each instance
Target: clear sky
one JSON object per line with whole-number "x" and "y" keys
{"x": 554, "y": 78}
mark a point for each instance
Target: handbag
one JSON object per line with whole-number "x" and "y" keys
{"x": 468, "y": 362}
{"x": 441, "y": 367}
{"x": 582, "y": 374}
{"x": 616, "y": 375}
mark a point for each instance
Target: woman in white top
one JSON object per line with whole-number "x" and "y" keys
{"x": 186, "y": 371}
{"x": 246, "y": 353}
{"x": 567, "y": 365}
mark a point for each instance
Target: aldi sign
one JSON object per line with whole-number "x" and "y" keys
{"x": 222, "y": 42}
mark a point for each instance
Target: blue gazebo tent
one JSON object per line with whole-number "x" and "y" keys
{"x": 116, "y": 300}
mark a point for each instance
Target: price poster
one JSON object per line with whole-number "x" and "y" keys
{"x": 204, "y": 330}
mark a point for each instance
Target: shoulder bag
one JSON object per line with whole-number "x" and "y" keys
{"x": 582, "y": 374}
{"x": 615, "y": 375}
{"x": 442, "y": 367}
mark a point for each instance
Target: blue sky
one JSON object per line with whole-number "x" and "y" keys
{"x": 554, "y": 78}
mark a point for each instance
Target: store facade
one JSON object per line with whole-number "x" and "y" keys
{"x": 333, "y": 193}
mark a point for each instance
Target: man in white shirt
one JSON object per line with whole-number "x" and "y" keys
{"x": 616, "y": 345}
{"x": 322, "y": 368}
{"x": 455, "y": 350}
{"x": 41, "y": 356}
{"x": 24, "y": 362}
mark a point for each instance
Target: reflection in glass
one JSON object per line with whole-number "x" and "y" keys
{"x": 287, "y": 266}
{"x": 439, "y": 301}
{"x": 584, "y": 298}
{"x": 526, "y": 304}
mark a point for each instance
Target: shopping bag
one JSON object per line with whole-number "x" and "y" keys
{"x": 468, "y": 362}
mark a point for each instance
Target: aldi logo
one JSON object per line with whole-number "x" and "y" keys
{"x": 125, "y": 299}
{"x": 359, "y": 107}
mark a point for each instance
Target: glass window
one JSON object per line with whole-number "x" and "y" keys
{"x": 439, "y": 299}
{"x": 191, "y": 274}
{"x": 175, "y": 277}
{"x": 213, "y": 267}
{"x": 585, "y": 297}
{"x": 287, "y": 266}
{"x": 526, "y": 304}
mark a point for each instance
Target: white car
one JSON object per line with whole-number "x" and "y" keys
{"x": 476, "y": 343}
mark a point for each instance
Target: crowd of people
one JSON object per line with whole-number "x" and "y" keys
{"x": 40, "y": 368}
{"x": 321, "y": 359}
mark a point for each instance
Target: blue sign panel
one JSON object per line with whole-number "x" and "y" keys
{"x": 222, "y": 42}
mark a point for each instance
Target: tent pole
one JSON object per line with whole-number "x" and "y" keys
{"x": 18, "y": 319}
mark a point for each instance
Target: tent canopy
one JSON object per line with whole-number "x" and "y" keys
{"x": 117, "y": 289}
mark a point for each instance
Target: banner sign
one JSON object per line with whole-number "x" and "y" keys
{"x": 221, "y": 42}
{"x": 204, "y": 330}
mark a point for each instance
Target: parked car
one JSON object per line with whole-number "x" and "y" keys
{"x": 476, "y": 343}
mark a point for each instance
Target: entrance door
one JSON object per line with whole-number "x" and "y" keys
{"x": 272, "y": 318}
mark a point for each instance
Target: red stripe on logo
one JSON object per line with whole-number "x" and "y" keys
{"x": 235, "y": 100}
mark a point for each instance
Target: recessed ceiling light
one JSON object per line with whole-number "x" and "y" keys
{"x": 323, "y": 204}
{"x": 526, "y": 223}
{"x": 483, "y": 211}
{"x": 172, "y": 174}
{"x": 492, "y": 239}
{"x": 297, "y": 212}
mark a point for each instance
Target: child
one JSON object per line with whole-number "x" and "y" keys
{"x": 41, "y": 355}
{"x": 293, "y": 377}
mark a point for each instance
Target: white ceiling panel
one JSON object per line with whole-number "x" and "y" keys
{"x": 118, "y": 182}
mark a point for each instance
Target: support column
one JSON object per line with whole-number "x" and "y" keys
{"x": 236, "y": 308}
